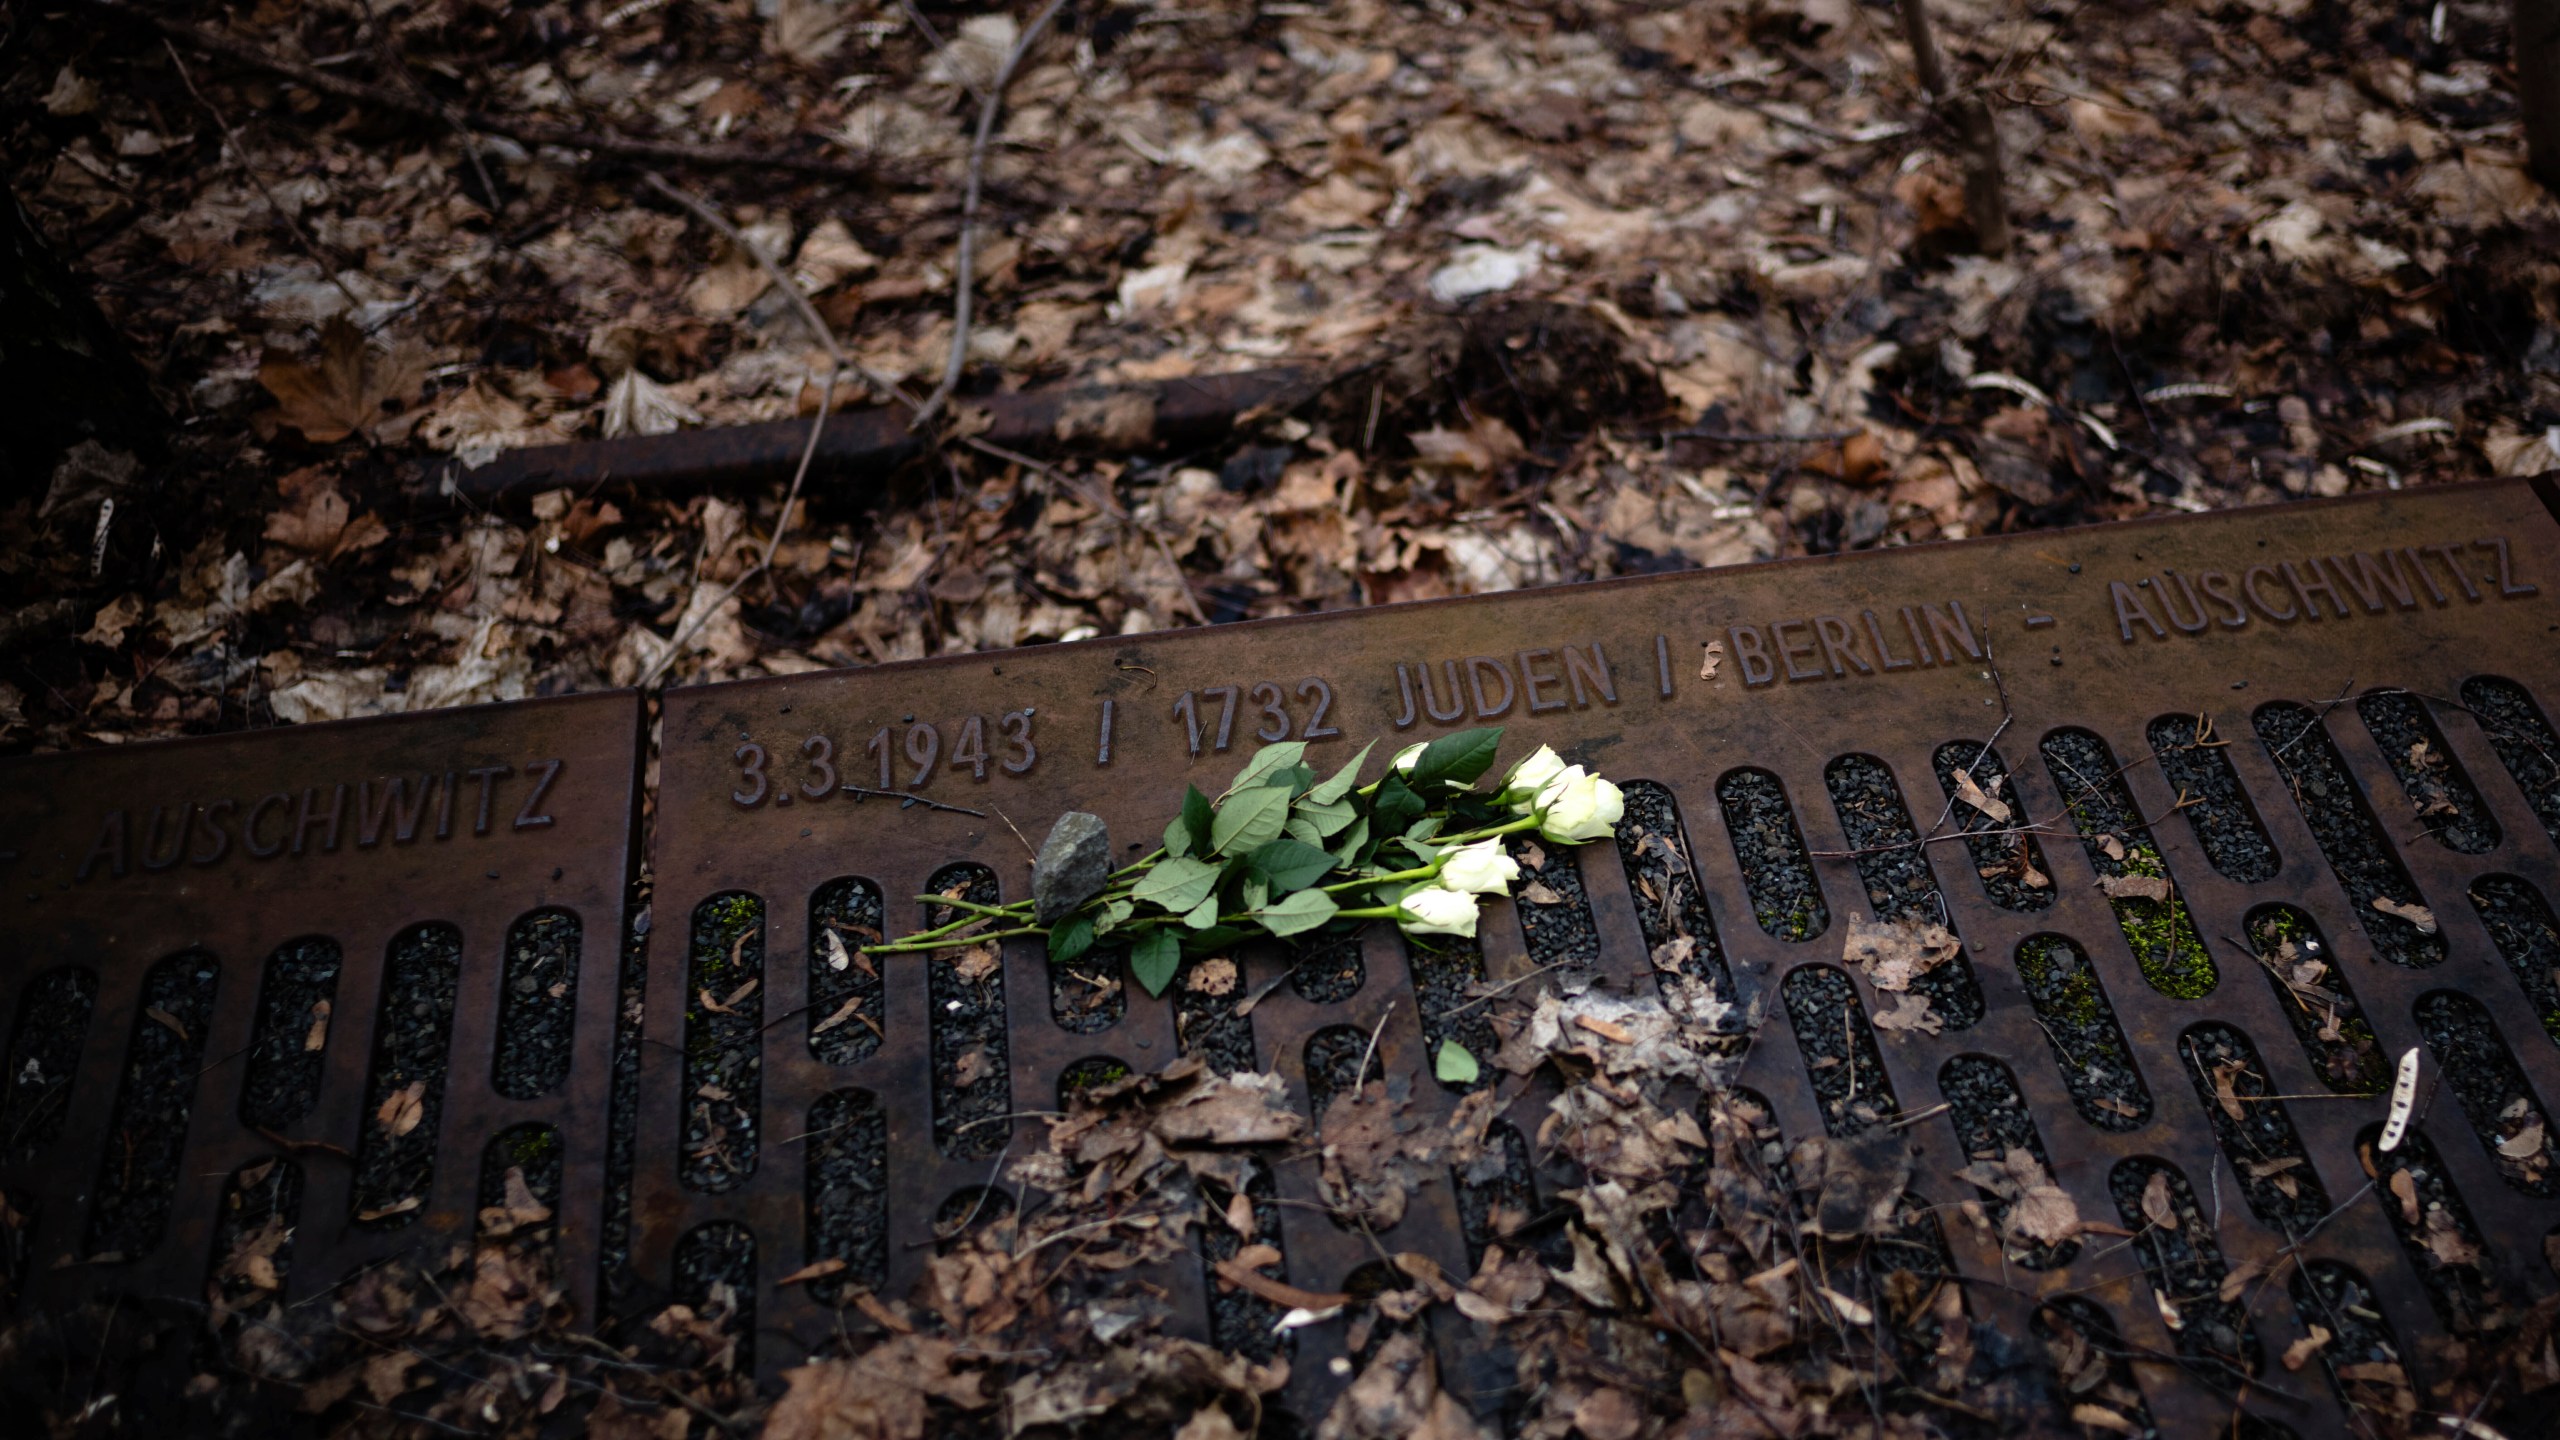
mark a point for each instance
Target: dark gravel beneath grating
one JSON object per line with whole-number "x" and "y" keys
{"x": 138, "y": 1173}
{"x": 1557, "y": 932}
{"x": 616, "y": 1283}
{"x": 1900, "y": 885}
{"x": 534, "y": 1149}
{"x": 2257, "y": 1133}
{"x": 1445, "y": 967}
{"x": 53, "y": 1025}
{"x": 1086, "y": 996}
{"x": 412, "y": 1041}
{"x": 1327, "y": 969}
{"x": 2218, "y": 809}
{"x": 1653, "y": 847}
{"x": 723, "y": 1043}
{"x": 2088, "y": 1046}
{"x": 1240, "y": 1322}
{"x": 972, "y": 1057}
{"x": 2338, "y": 817}
{"x": 2312, "y": 989}
{"x": 2524, "y": 742}
{"x": 1785, "y": 897}
{"x": 2336, "y": 1298}
{"x": 2436, "y": 1230}
{"x": 1991, "y": 1119}
{"x": 715, "y": 1267}
{"x": 851, "y": 910}
{"x": 1089, "y": 1073}
{"x": 2010, "y": 863}
{"x": 1498, "y": 1193}
{"x": 2095, "y": 1366}
{"x": 2186, "y": 1265}
{"x": 281, "y": 1073}
{"x": 2484, "y": 1076}
{"x": 17, "y": 1243}
{"x": 538, "y": 1004}
{"x": 1333, "y": 1066}
{"x": 2520, "y": 924}
{"x": 1839, "y": 1050}
{"x": 847, "y": 1180}
{"x": 1205, "y": 1022}
{"x": 2161, "y": 933}
{"x": 2448, "y": 806}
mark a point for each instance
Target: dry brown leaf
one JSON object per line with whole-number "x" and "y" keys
{"x": 815, "y": 1270}
{"x": 2044, "y": 1212}
{"x": 1893, "y": 955}
{"x": 2099, "y": 1417}
{"x": 2111, "y": 847}
{"x": 165, "y": 1018}
{"x": 2405, "y": 1190}
{"x": 2224, "y": 1094}
{"x": 851, "y": 1009}
{"x": 2418, "y": 915}
{"x": 400, "y": 1206}
{"x": 317, "y": 1037}
{"x": 2156, "y": 1205}
{"x": 1911, "y": 1011}
{"x": 2299, "y": 1353}
{"x": 2524, "y": 1144}
{"x": 1538, "y": 892}
{"x": 975, "y": 963}
{"x": 1278, "y": 1292}
{"x": 2134, "y": 887}
{"x": 350, "y": 388}
{"x": 401, "y": 1110}
{"x": 1973, "y": 794}
{"x": 1213, "y": 976}
{"x": 318, "y": 521}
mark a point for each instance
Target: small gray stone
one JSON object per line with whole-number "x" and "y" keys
{"x": 1074, "y": 865}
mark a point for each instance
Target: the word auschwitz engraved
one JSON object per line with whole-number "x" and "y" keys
{"x": 1558, "y": 676}
{"x": 385, "y": 810}
{"x": 2285, "y": 591}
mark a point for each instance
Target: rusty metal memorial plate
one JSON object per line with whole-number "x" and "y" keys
{"x": 342, "y": 975}
{"x": 2326, "y": 727}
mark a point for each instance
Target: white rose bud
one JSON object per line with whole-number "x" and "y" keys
{"x": 1403, "y": 763}
{"x": 1585, "y": 808}
{"x": 1479, "y": 869}
{"x": 1434, "y": 911}
{"x": 1531, "y": 775}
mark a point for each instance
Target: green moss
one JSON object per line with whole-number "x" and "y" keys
{"x": 1093, "y": 1074}
{"x": 2551, "y": 1024}
{"x": 2061, "y": 989}
{"x": 530, "y": 1145}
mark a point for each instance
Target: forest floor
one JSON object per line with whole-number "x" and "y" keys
{"x": 1579, "y": 290}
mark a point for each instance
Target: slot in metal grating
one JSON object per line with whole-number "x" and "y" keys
{"x": 2353, "y": 700}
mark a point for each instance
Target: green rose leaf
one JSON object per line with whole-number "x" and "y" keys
{"x": 1257, "y": 892}
{"x": 1342, "y": 780}
{"x": 1203, "y": 915}
{"x": 1176, "y": 885}
{"x": 1350, "y": 842}
{"x": 1325, "y": 816}
{"x": 1396, "y": 807}
{"x": 1114, "y": 915}
{"x": 1455, "y": 1064}
{"x": 1264, "y": 767}
{"x": 1303, "y": 911}
{"x": 1287, "y": 865}
{"x": 1456, "y": 759}
{"x": 1154, "y": 959}
{"x": 1249, "y": 819}
{"x": 1188, "y": 831}
{"x": 1070, "y": 938}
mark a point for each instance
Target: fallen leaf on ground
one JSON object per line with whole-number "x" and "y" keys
{"x": 1892, "y": 955}
{"x": 2418, "y": 915}
{"x": 349, "y": 387}
{"x": 1972, "y": 793}
{"x": 401, "y": 1110}
{"x": 2134, "y": 887}
{"x": 2300, "y": 1351}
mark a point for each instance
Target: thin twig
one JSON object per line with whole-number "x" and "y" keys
{"x": 964, "y": 290}
{"x": 240, "y": 157}
{"x": 912, "y": 798}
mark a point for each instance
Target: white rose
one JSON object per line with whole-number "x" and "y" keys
{"x": 1403, "y": 763}
{"x": 1531, "y": 776}
{"x": 1434, "y": 911}
{"x": 1585, "y": 808}
{"x": 1479, "y": 869}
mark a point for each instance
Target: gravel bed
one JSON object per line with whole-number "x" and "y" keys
{"x": 2218, "y": 810}
{"x": 1445, "y": 967}
{"x": 1991, "y": 1119}
{"x": 972, "y": 1057}
{"x": 1498, "y": 1194}
{"x": 1240, "y": 1322}
{"x": 2338, "y": 817}
{"x": 2448, "y": 806}
{"x": 2520, "y": 924}
{"x": 1327, "y": 969}
{"x": 536, "y": 1150}
{"x": 2339, "y": 1300}
{"x": 1557, "y": 932}
{"x": 2089, "y": 1356}
{"x": 2009, "y": 861}
{"x": 2484, "y": 1076}
{"x": 2275, "y": 1171}
{"x": 723, "y": 1043}
{"x": 280, "y": 1079}
{"x": 1086, "y": 995}
{"x": 53, "y": 1025}
{"x": 2186, "y": 1265}
{"x": 1840, "y": 1054}
{"x": 2453, "y": 1268}
{"x": 1653, "y": 847}
{"x": 1205, "y": 1022}
{"x": 412, "y": 1041}
{"x": 851, "y": 910}
{"x": 715, "y": 1266}
{"x": 2088, "y": 1045}
{"x": 1900, "y": 885}
{"x": 847, "y": 1180}
{"x": 2312, "y": 989}
{"x": 138, "y": 1175}
{"x": 2161, "y": 933}
{"x": 1785, "y": 897}
{"x": 2524, "y": 742}
{"x": 1333, "y": 1066}
{"x": 538, "y": 1004}
{"x": 618, "y": 1288}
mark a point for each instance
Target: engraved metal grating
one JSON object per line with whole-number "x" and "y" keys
{"x": 2329, "y": 729}
{"x": 227, "y": 957}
